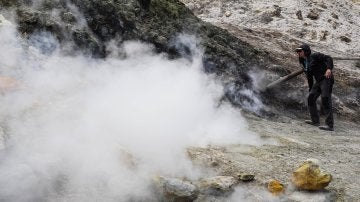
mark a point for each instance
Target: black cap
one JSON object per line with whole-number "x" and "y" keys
{"x": 305, "y": 48}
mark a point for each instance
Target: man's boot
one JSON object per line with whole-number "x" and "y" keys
{"x": 312, "y": 123}
{"x": 326, "y": 127}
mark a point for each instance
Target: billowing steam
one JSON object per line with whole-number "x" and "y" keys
{"x": 83, "y": 129}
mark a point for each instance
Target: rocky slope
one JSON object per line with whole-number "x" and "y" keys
{"x": 91, "y": 24}
{"x": 332, "y": 25}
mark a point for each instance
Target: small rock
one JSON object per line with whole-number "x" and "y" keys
{"x": 323, "y": 35}
{"x": 335, "y": 25}
{"x": 68, "y": 17}
{"x": 228, "y": 13}
{"x": 334, "y": 15}
{"x": 345, "y": 39}
{"x": 275, "y": 187}
{"x": 299, "y": 15}
{"x": 323, "y": 5}
{"x": 191, "y": 6}
{"x": 246, "y": 177}
{"x": 309, "y": 176}
{"x": 173, "y": 189}
{"x": 214, "y": 164}
{"x": 217, "y": 186}
{"x": 313, "y": 34}
{"x": 357, "y": 64}
{"x": 277, "y": 11}
{"x": 313, "y": 15}
{"x": 266, "y": 17}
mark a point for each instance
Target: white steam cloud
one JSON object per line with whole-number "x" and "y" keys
{"x": 82, "y": 129}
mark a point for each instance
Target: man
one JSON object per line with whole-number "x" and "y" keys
{"x": 318, "y": 66}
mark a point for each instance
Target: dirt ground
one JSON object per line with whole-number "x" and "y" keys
{"x": 290, "y": 142}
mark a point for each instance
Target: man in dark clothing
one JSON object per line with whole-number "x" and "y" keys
{"x": 318, "y": 66}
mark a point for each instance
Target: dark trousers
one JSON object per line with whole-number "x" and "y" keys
{"x": 323, "y": 88}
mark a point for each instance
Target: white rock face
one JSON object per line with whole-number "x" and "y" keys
{"x": 337, "y": 27}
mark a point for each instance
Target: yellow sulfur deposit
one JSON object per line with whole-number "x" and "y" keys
{"x": 309, "y": 177}
{"x": 275, "y": 187}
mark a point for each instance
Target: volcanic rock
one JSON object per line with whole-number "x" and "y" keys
{"x": 217, "y": 186}
{"x": 299, "y": 15}
{"x": 173, "y": 189}
{"x": 313, "y": 15}
{"x": 245, "y": 177}
{"x": 345, "y": 39}
{"x": 309, "y": 176}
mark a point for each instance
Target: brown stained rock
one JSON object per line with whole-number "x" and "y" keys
{"x": 310, "y": 177}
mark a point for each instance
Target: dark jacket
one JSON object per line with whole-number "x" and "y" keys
{"x": 318, "y": 63}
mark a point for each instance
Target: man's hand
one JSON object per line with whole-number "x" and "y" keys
{"x": 328, "y": 73}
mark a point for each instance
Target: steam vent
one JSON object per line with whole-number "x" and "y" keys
{"x": 179, "y": 100}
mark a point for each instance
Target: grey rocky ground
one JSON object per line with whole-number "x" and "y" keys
{"x": 290, "y": 143}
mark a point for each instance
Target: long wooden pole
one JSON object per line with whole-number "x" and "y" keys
{"x": 283, "y": 79}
